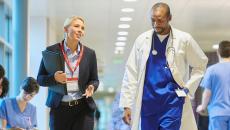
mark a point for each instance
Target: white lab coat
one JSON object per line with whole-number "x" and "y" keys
{"x": 186, "y": 53}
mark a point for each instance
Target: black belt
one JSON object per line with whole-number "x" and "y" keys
{"x": 72, "y": 103}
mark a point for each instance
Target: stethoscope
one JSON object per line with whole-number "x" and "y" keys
{"x": 170, "y": 50}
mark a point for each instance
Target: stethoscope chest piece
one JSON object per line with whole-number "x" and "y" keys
{"x": 154, "y": 52}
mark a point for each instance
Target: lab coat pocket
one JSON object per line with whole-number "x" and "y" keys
{"x": 180, "y": 56}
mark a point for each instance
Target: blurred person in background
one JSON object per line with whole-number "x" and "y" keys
{"x": 116, "y": 122}
{"x": 4, "y": 87}
{"x": 216, "y": 95}
{"x": 4, "y": 83}
{"x": 18, "y": 113}
{"x": 2, "y": 72}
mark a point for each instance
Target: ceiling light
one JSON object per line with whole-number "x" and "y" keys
{"x": 116, "y": 51}
{"x": 121, "y": 38}
{"x": 127, "y": 10}
{"x": 126, "y": 19}
{"x": 120, "y": 43}
{"x": 123, "y": 26}
{"x": 119, "y": 51}
{"x": 215, "y": 46}
{"x": 119, "y": 48}
{"x": 123, "y": 33}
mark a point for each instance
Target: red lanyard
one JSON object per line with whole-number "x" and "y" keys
{"x": 72, "y": 79}
{"x": 67, "y": 60}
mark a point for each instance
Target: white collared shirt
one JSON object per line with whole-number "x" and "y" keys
{"x": 72, "y": 57}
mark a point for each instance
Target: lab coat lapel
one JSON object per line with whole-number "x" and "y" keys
{"x": 146, "y": 49}
{"x": 171, "y": 49}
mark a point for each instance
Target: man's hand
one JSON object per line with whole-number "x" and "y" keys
{"x": 205, "y": 100}
{"x": 89, "y": 91}
{"x": 127, "y": 116}
{"x": 60, "y": 77}
{"x": 201, "y": 110}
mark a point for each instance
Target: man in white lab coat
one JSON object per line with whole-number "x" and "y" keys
{"x": 157, "y": 84}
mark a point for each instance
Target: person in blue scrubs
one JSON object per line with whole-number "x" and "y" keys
{"x": 160, "y": 89}
{"x": 117, "y": 123}
{"x": 157, "y": 83}
{"x": 18, "y": 113}
{"x": 216, "y": 95}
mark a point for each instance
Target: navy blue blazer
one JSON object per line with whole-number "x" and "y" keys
{"x": 87, "y": 76}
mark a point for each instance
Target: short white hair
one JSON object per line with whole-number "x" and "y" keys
{"x": 69, "y": 20}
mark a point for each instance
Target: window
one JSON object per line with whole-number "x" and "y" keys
{"x": 5, "y": 39}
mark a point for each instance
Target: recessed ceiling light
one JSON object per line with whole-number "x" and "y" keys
{"x": 215, "y": 46}
{"x": 116, "y": 51}
{"x": 118, "y": 44}
{"x": 127, "y": 10}
{"x": 129, "y": 0}
{"x": 123, "y": 26}
{"x": 123, "y": 33}
{"x": 121, "y": 38}
{"x": 119, "y": 51}
{"x": 126, "y": 19}
{"x": 119, "y": 48}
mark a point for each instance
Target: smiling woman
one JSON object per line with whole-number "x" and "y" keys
{"x": 69, "y": 69}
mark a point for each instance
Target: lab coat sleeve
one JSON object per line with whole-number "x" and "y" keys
{"x": 129, "y": 83}
{"x": 197, "y": 61}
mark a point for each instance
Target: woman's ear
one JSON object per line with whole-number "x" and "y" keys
{"x": 65, "y": 29}
{"x": 65, "y": 32}
{"x": 83, "y": 34}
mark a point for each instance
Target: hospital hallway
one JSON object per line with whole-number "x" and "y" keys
{"x": 27, "y": 27}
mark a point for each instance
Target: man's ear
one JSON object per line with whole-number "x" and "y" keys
{"x": 170, "y": 17}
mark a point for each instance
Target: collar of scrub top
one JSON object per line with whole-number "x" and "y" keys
{"x": 154, "y": 51}
{"x": 170, "y": 48}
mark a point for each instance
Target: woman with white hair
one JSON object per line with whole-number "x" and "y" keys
{"x": 69, "y": 69}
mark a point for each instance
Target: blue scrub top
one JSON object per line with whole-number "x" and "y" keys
{"x": 159, "y": 86}
{"x": 10, "y": 111}
{"x": 217, "y": 80}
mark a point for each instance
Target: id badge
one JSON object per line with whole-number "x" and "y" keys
{"x": 72, "y": 85}
{"x": 180, "y": 93}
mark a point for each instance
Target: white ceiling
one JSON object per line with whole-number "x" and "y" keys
{"x": 207, "y": 21}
